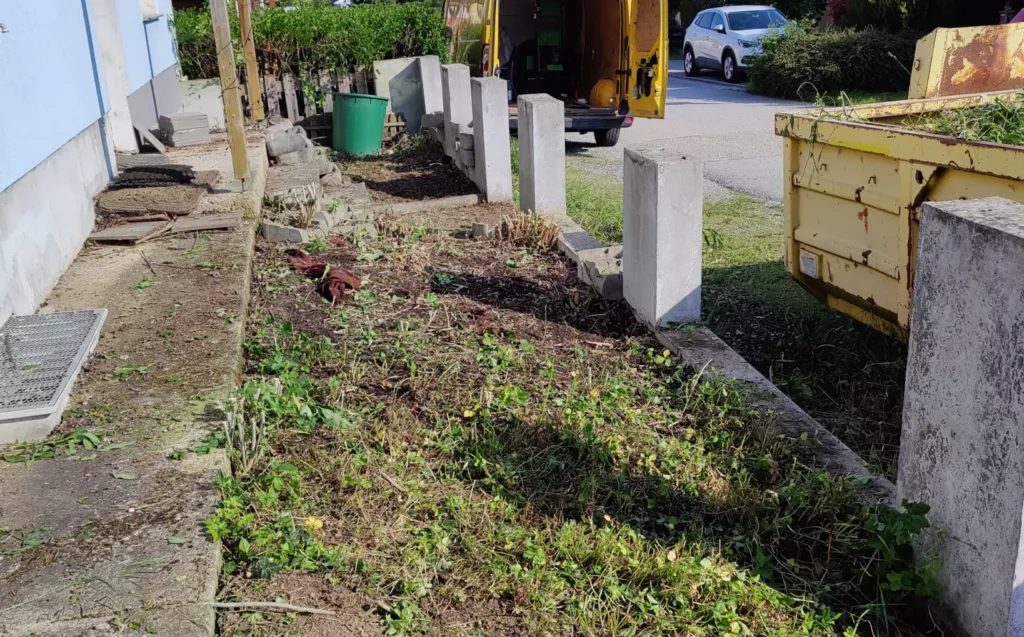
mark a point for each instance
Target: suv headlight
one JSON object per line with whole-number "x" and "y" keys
{"x": 748, "y": 44}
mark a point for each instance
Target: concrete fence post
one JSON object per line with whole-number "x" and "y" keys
{"x": 457, "y": 105}
{"x": 491, "y": 138}
{"x": 662, "y": 209}
{"x": 962, "y": 445}
{"x": 541, "y": 154}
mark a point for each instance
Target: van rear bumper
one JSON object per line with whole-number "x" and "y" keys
{"x": 582, "y": 122}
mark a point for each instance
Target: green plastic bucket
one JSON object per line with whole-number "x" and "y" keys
{"x": 358, "y": 123}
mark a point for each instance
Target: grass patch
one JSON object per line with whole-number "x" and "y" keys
{"x": 846, "y": 375}
{"x": 1000, "y": 122}
{"x": 595, "y": 206}
{"x": 476, "y": 444}
{"x": 856, "y": 98}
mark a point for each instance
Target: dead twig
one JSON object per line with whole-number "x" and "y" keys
{"x": 277, "y": 607}
{"x": 148, "y": 264}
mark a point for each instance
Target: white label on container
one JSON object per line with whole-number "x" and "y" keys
{"x": 809, "y": 264}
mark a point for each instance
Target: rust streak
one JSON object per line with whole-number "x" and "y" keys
{"x": 863, "y": 216}
{"x": 985, "y": 63}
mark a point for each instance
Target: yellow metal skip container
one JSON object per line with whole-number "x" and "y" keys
{"x": 854, "y": 185}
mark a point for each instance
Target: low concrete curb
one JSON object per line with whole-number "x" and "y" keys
{"x": 230, "y": 194}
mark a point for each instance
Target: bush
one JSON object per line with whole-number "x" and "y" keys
{"x": 803, "y": 62}
{"x": 318, "y": 37}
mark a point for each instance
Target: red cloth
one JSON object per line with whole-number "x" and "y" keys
{"x": 331, "y": 282}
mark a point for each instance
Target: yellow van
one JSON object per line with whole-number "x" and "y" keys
{"x": 606, "y": 59}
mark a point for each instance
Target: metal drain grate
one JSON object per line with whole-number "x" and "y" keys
{"x": 40, "y": 355}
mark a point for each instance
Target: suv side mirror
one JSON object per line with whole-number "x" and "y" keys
{"x": 720, "y": 28}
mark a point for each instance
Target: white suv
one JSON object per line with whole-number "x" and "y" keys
{"x": 727, "y": 37}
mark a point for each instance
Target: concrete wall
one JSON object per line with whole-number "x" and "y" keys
{"x": 66, "y": 69}
{"x": 45, "y": 217}
{"x": 203, "y": 96}
{"x": 133, "y": 40}
{"x": 163, "y": 50}
{"x": 51, "y": 90}
{"x": 962, "y": 445}
{"x": 150, "y": 55}
{"x": 159, "y": 96}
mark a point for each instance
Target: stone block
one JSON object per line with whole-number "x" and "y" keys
{"x": 456, "y": 103}
{"x": 281, "y": 233}
{"x": 432, "y": 120}
{"x": 467, "y": 156}
{"x": 324, "y": 165}
{"x": 604, "y": 275}
{"x": 541, "y": 154}
{"x": 466, "y": 140}
{"x": 493, "y": 167}
{"x": 283, "y": 143}
{"x": 482, "y": 230}
{"x": 962, "y": 446}
{"x": 412, "y": 85}
{"x": 297, "y": 158}
{"x": 662, "y": 210}
{"x": 602, "y": 269}
{"x": 430, "y": 77}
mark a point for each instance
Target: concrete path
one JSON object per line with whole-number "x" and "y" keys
{"x": 112, "y": 538}
{"x": 730, "y": 129}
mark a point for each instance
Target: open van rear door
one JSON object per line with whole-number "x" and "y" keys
{"x": 647, "y": 56}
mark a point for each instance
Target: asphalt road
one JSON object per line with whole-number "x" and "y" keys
{"x": 730, "y": 129}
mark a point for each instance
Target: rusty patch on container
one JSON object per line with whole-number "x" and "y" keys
{"x": 856, "y": 195}
{"x": 828, "y": 266}
{"x": 864, "y": 255}
{"x": 988, "y": 61}
{"x": 863, "y": 216}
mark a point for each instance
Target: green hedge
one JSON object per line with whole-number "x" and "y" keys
{"x": 804, "y": 62}
{"x": 318, "y": 37}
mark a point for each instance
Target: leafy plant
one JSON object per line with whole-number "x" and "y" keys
{"x": 802, "y": 61}
{"x": 316, "y": 37}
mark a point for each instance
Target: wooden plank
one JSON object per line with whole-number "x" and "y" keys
{"x": 327, "y": 90}
{"x": 132, "y": 232}
{"x": 229, "y": 87}
{"x": 252, "y": 71}
{"x": 360, "y": 81}
{"x": 291, "y": 100}
{"x": 207, "y": 222}
{"x": 273, "y": 88}
{"x": 345, "y": 83}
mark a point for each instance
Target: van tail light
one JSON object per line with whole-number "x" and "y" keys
{"x": 629, "y": 120}
{"x": 486, "y": 60}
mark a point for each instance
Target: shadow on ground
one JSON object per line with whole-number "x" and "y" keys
{"x": 845, "y": 374}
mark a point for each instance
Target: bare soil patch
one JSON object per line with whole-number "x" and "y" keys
{"x": 415, "y": 169}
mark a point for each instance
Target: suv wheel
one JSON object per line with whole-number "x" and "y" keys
{"x": 608, "y": 137}
{"x": 690, "y": 63}
{"x": 729, "y": 68}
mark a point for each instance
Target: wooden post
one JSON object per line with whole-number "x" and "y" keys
{"x": 291, "y": 101}
{"x": 326, "y": 90}
{"x": 229, "y": 87}
{"x": 273, "y": 95}
{"x": 252, "y": 72}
